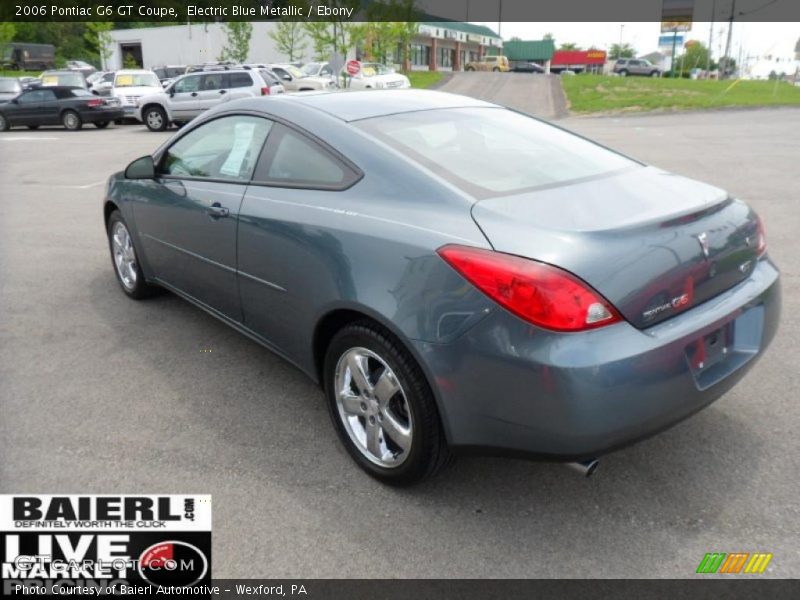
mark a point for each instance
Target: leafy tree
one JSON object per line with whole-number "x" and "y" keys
{"x": 237, "y": 46}
{"x": 99, "y": 39}
{"x": 548, "y": 36}
{"x": 624, "y": 51}
{"x": 569, "y": 46}
{"x": 321, "y": 38}
{"x": 289, "y": 39}
{"x": 695, "y": 57}
{"x": 7, "y": 31}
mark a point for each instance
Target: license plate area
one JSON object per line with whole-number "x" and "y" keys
{"x": 719, "y": 353}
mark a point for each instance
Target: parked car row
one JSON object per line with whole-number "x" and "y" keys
{"x": 170, "y": 95}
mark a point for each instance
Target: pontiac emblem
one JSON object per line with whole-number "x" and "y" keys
{"x": 703, "y": 240}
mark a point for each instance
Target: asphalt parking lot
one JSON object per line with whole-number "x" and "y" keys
{"x": 102, "y": 394}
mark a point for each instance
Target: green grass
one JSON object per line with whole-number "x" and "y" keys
{"x": 424, "y": 79}
{"x": 20, "y": 73}
{"x": 600, "y": 93}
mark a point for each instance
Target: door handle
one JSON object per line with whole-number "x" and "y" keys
{"x": 223, "y": 91}
{"x": 217, "y": 211}
{"x": 193, "y": 94}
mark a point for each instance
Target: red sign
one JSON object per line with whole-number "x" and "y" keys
{"x": 578, "y": 57}
{"x": 353, "y": 67}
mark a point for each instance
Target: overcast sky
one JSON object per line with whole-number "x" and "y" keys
{"x": 756, "y": 39}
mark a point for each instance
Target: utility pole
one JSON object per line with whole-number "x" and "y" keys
{"x": 500, "y": 19}
{"x": 619, "y": 48}
{"x": 711, "y": 36}
{"x": 728, "y": 43}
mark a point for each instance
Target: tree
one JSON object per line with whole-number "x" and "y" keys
{"x": 289, "y": 39}
{"x": 624, "y": 51}
{"x": 7, "y": 31}
{"x": 321, "y": 38}
{"x": 99, "y": 39}
{"x": 548, "y": 36}
{"x": 696, "y": 56}
{"x": 569, "y": 46}
{"x": 237, "y": 46}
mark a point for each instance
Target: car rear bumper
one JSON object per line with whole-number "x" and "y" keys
{"x": 508, "y": 387}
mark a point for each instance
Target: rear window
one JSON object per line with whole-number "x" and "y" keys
{"x": 66, "y": 79}
{"x": 493, "y": 151}
{"x": 239, "y": 80}
{"x": 9, "y": 85}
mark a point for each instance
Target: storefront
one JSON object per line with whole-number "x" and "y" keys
{"x": 579, "y": 61}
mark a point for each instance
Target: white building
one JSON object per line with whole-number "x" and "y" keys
{"x": 194, "y": 43}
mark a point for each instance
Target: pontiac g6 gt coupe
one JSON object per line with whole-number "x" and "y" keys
{"x": 457, "y": 276}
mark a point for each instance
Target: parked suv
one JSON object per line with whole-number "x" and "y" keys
{"x": 489, "y": 63}
{"x": 193, "y": 93}
{"x": 129, "y": 85}
{"x": 636, "y": 66}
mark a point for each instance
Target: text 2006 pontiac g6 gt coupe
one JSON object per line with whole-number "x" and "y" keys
{"x": 456, "y": 275}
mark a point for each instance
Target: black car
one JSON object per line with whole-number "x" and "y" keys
{"x": 523, "y": 66}
{"x": 67, "y": 106}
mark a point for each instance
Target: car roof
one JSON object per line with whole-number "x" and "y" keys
{"x": 357, "y": 105}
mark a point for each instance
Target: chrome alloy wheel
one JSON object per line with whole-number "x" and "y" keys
{"x": 373, "y": 407}
{"x": 154, "y": 119}
{"x": 124, "y": 255}
{"x": 71, "y": 121}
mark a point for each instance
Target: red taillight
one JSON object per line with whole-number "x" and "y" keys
{"x": 95, "y": 103}
{"x": 536, "y": 292}
{"x": 761, "y": 246}
{"x": 265, "y": 91}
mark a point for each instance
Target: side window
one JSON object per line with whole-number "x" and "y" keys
{"x": 239, "y": 80}
{"x": 282, "y": 74}
{"x": 326, "y": 70}
{"x": 30, "y": 97}
{"x": 187, "y": 85}
{"x": 226, "y": 148}
{"x": 212, "y": 81}
{"x": 294, "y": 160}
{"x": 47, "y": 95}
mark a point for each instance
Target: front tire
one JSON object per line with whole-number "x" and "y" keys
{"x": 654, "y": 74}
{"x": 382, "y": 406}
{"x": 71, "y": 120}
{"x": 155, "y": 118}
{"x": 125, "y": 259}
{"x": 33, "y": 127}
{"x": 4, "y": 124}
{"x": 623, "y": 73}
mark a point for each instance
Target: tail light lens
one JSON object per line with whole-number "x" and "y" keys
{"x": 95, "y": 103}
{"x": 761, "y": 246}
{"x": 265, "y": 91}
{"x": 536, "y": 292}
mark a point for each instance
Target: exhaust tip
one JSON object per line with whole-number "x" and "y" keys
{"x": 586, "y": 467}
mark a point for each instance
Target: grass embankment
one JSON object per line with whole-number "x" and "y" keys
{"x": 600, "y": 93}
{"x": 20, "y": 73}
{"x": 424, "y": 79}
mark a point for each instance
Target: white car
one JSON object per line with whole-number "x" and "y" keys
{"x": 294, "y": 80}
{"x": 129, "y": 85}
{"x": 317, "y": 69}
{"x": 192, "y": 94}
{"x": 376, "y": 76}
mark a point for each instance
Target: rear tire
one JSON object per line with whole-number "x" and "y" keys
{"x": 33, "y": 127}
{"x": 71, "y": 120}
{"x": 654, "y": 74}
{"x": 119, "y": 121}
{"x": 623, "y": 73}
{"x": 496, "y": 70}
{"x": 382, "y": 406}
{"x": 125, "y": 260}
{"x": 101, "y": 124}
{"x": 4, "y": 125}
{"x": 155, "y": 118}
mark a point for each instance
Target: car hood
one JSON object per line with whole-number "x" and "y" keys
{"x": 653, "y": 243}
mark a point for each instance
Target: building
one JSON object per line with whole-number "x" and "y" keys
{"x": 580, "y": 61}
{"x": 193, "y": 43}
{"x": 450, "y": 45}
{"x": 537, "y": 51}
{"x": 438, "y": 46}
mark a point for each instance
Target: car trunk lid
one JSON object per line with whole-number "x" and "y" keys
{"x": 653, "y": 243}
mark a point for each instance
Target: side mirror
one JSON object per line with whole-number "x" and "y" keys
{"x": 286, "y": 77}
{"x": 141, "y": 168}
{"x": 171, "y": 91}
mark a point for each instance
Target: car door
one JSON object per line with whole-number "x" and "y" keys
{"x": 52, "y": 104}
{"x": 184, "y": 97}
{"x": 187, "y": 217}
{"x": 24, "y": 110}
{"x": 286, "y": 78}
{"x": 287, "y": 256}
{"x": 213, "y": 86}
{"x": 36, "y": 108}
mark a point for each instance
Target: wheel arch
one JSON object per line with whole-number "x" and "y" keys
{"x": 336, "y": 318}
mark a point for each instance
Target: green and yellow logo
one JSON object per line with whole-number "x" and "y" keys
{"x": 735, "y": 562}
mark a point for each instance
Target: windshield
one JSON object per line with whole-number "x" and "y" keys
{"x": 493, "y": 151}
{"x": 311, "y": 68}
{"x": 372, "y": 69}
{"x": 294, "y": 71}
{"x": 9, "y": 85}
{"x": 136, "y": 79}
{"x": 69, "y": 79}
